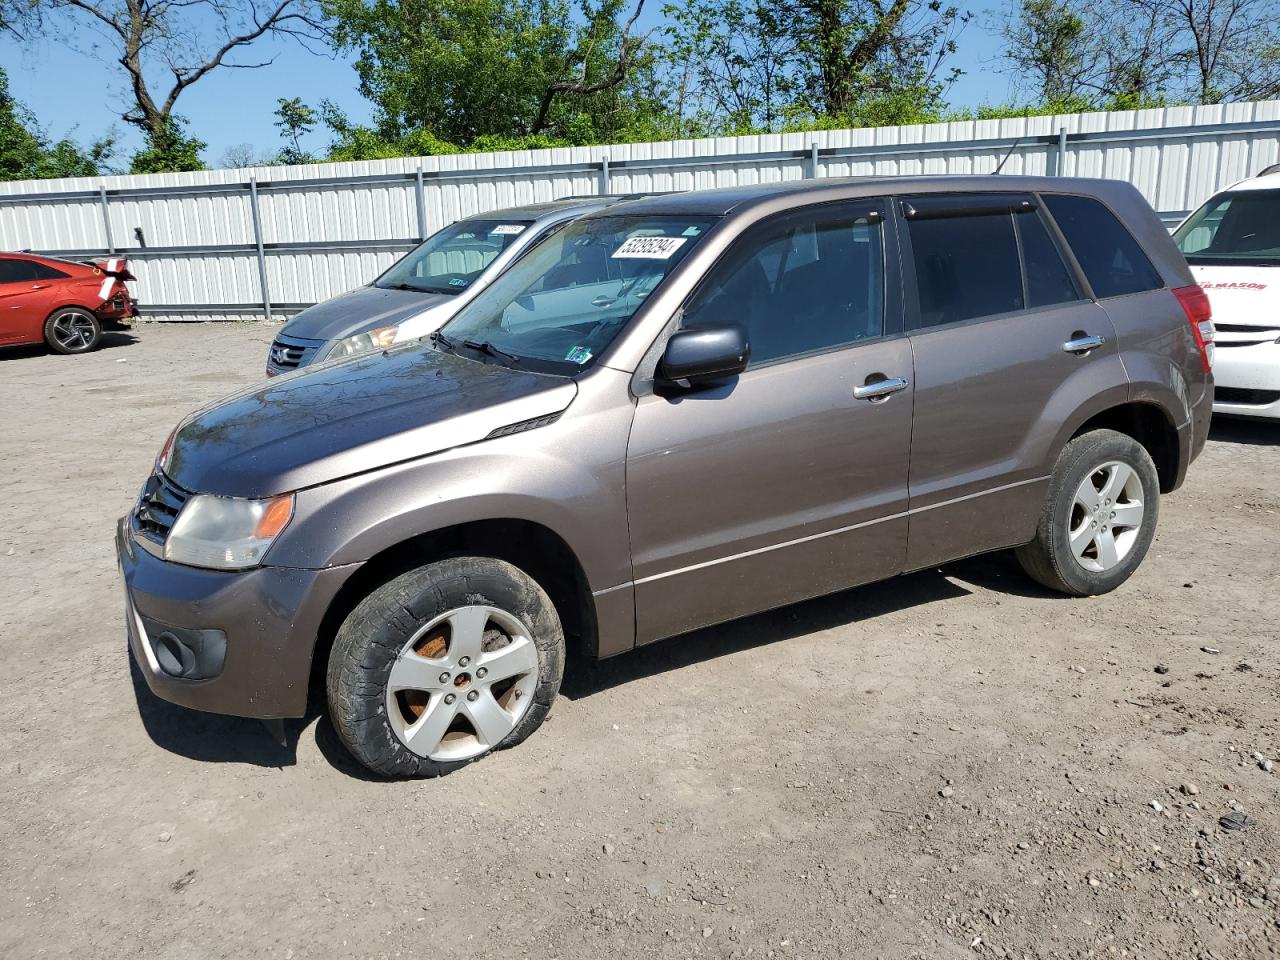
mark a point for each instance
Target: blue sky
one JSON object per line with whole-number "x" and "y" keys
{"x": 80, "y": 96}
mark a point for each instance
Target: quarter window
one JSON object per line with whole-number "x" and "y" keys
{"x": 40, "y": 271}
{"x": 809, "y": 281}
{"x": 1107, "y": 252}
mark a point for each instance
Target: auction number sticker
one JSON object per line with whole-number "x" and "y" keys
{"x": 649, "y": 248}
{"x": 507, "y": 229}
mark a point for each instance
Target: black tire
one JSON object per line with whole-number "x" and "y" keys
{"x": 1049, "y": 558}
{"x": 374, "y": 634}
{"x": 87, "y": 331}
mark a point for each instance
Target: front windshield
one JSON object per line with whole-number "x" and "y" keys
{"x": 449, "y": 261}
{"x": 562, "y": 304}
{"x": 1234, "y": 228}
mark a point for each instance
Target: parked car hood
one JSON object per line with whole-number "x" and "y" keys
{"x": 364, "y": 308}
{"x": 344, "y": 417}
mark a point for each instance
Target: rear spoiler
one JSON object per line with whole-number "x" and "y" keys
{"x": 116, "y": 267}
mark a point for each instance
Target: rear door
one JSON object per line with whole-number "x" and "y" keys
{"x": 1007, "y": 349}
{"x": 788, "y": 481}
{"x": 22, "y": 301}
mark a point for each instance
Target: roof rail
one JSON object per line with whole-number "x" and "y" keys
{"x": 1266, "y": 171}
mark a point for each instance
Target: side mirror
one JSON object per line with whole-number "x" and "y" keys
{"x": 704, "y": 354}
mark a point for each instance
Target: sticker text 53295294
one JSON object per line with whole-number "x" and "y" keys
{"x": 648, "y": 248}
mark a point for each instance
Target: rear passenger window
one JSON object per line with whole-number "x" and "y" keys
{"x": 1107, "y": 252}
{"x": 1048, "y": 279}
{"x": 966, "y": 266}
{"x": 805, "y": 282}
{"x": 15, "y": 271}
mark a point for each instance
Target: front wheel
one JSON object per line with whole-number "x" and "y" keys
{"x": 1099, "y": 518}
{"x": 444, "y": 664}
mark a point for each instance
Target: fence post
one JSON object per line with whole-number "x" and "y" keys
{"x": 257, "y": 240}
{"x": 422, "y": 206}
{"x": 1062, "y": 152}
{"x": 604, "y": 176}
{"x": 813, "y": 160}
{"x": 106, "y": 217}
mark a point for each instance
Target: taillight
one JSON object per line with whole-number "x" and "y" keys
{"x": 1195, "y": 304}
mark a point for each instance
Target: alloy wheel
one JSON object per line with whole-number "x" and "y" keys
{"x": 1106, "y": 516}
{"x": 462, "y": 683}
{"x": 74, "y": 331}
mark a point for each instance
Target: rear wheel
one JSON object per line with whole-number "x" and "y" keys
{"x": 444, "y": 664}
{"x": 1099, "y": 518}
{"x": 72, "y": 330}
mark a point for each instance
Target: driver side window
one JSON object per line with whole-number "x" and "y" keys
{"x": 806, "y": 282}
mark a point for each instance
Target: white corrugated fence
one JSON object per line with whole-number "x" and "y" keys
{"x": 269, "y": 240}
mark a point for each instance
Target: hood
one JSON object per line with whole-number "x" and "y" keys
{"x": 348, "y": 416}
{"x": 357, "y": 310}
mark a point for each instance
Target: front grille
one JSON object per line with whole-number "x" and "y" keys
{"x": 1252, "y": 398}
{"x": 289, "y": 354}
{"x": 158, "y": 507}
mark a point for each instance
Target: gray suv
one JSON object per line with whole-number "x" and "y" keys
{"x": 674, "y": 412}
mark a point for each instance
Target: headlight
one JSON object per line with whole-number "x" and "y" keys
{"x": 378, "y": 339}
{"x": 224, "y": 533}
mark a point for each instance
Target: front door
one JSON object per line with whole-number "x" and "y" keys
{"x": 790, "y": 480}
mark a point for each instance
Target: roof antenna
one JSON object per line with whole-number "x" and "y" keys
{"x": 1000, "y": 165}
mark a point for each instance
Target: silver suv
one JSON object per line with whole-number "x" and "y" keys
{"x": 424, "y": 288}
{"x": 671, "y": 413}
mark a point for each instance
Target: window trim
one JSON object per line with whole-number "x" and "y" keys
{"x": 894, "y": 319}
{"x": 1083, "y": 291}
{"x": 1164, "y": 281}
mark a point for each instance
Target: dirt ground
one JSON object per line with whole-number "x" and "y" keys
{"x": 951, "y": 764}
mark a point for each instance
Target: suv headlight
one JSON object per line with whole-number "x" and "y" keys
{"x": 224, "y": 533}
{"x": 378, "y": 339}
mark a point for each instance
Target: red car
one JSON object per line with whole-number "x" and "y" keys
{"x": 61, "y": 302}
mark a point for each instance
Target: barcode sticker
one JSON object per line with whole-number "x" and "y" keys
{"x": 507, "y": 229}
{"x": 648, "y": 248}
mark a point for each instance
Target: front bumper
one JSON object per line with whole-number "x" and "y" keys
{"x": 268, "y": 618}
{"x": 1248, "y": 380}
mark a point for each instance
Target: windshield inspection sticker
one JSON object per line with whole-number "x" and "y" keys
{"x": 458, "y": 282}
{"x": 578, "y": 355}
{"x": 649, "y": 248}
{"x": 507, "y": 229}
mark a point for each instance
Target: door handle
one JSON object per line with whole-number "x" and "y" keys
{"x": 1083, "y": 344}
{"x": 604, "y": 301}
{"x": 39, "y": 286}
{"x": 880, "y": 389}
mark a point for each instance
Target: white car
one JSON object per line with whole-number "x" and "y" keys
{"x": 1233, "y": 246}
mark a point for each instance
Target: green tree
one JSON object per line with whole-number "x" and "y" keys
{"x": 294, "y": 120}
{"x": 733, "y": 66}
{"x": 26, "y": 152}
{"x": 466, "y": 69}
{"x": 169, "y": 151}
{"x": 1120, "y": 54}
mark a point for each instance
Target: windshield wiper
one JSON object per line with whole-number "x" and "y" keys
{"x": 440, "y": 340}
{"x": 415, "y": 289}
{"x": 485, "y": 347}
